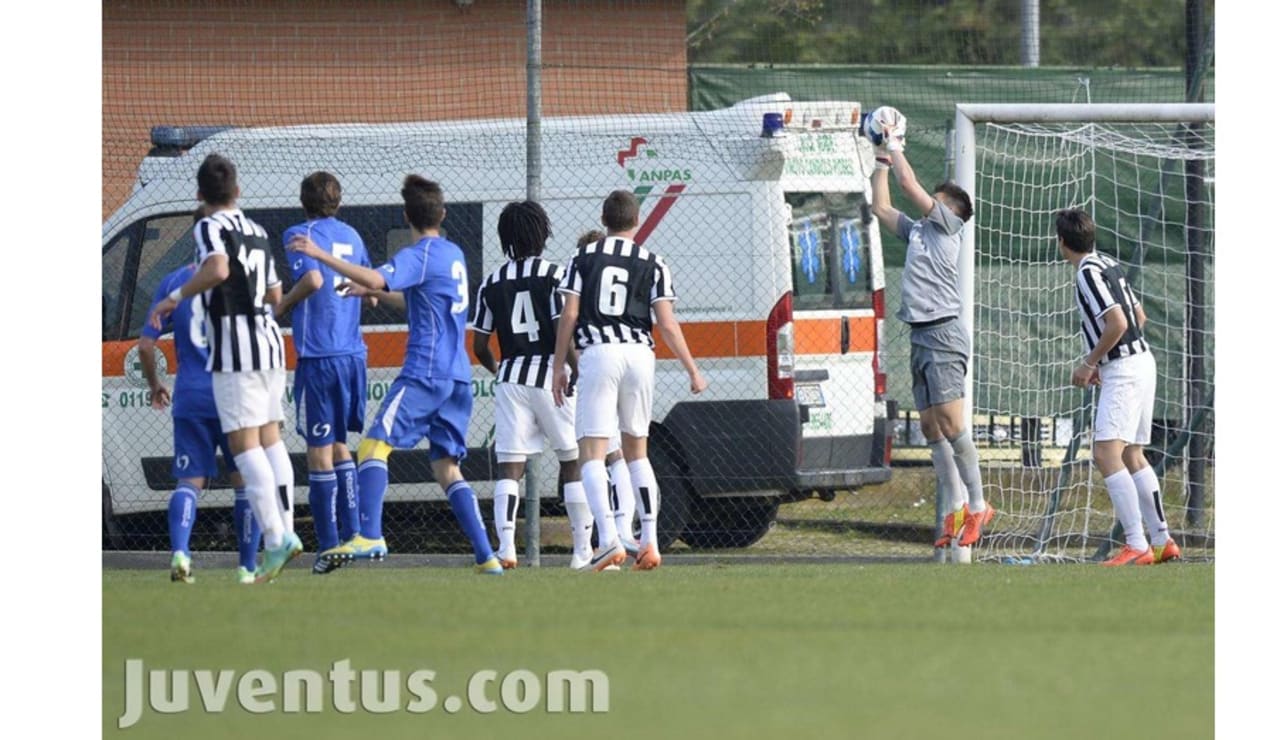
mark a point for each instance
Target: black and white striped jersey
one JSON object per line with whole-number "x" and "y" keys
{"x": 1101, "y": 286}
{"x": 617, "y": 282}
{"x": 519, "y": 302}
{"x": 242, "y": 331}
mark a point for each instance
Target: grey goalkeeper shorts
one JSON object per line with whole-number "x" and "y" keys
{"x": 939, "y": 363}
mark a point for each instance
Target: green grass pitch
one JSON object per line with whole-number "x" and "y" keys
{"x": 699, "y": 651}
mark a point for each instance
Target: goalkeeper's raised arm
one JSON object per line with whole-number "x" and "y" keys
{"x": 892, "y": 155}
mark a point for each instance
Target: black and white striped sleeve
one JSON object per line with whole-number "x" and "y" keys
{"x": 572, "y": 280}
{"x": 662, "y": 289}
{"x": 1093, "y": 289}
{"x": 483, "y": 320}
{"x": 557, "y": 299}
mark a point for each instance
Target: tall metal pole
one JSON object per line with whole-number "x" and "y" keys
{"x": 1197, "y": 378}
{"x": 1031, "y": 33}
{"x": 533, "y": 92}
{"x": 533, "y": 190}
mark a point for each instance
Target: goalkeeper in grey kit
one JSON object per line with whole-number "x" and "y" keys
{"x": 940, "y": 345}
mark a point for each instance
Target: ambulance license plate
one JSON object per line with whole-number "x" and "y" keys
{"x": 810, "y": 394}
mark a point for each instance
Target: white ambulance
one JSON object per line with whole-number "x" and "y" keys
{"x": 761, "y": 210}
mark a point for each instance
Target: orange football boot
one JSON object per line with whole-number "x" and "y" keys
{"x": 951, "y": 525}
{"x": 973, "y": 524}
{"x": 1130, "y": 556}
{"x": 1166, "y": 552}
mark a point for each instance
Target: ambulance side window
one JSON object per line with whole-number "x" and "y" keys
{"x": 167, "y": 244}
{"x": 115, "y": 258}
{"x": 830, "y": 251}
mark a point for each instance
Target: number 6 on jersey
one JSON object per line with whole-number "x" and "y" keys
{"x": 613, "y": 291}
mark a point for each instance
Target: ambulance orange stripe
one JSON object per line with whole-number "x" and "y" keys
{"x": 706, "y": 339}
{"x": 822, "y": 336}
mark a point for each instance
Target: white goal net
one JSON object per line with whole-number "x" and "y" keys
{"x": 1146, "y": 174}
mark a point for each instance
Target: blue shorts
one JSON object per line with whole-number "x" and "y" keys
{"x": 413, "y": 409}
{"x": 195, "y": 448}
{"x": 329, "y": 397}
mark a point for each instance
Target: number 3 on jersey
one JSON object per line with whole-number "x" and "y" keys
{"x": 460, "y": 274}
{"x": 613, "y": 291}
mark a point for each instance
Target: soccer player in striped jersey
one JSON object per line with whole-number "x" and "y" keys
{"x": 615, "y": 292}
{"x": 431, "y": 397}
{"x": 520, "y": 303}
{"x": 1119, "y": 361}
{"x": 237, "y": 284}
{"x": 622, "y": 497}
{"x": 939, "y": 342}
{"x": 197, "y": 435}
{"x": 329, "y": 381}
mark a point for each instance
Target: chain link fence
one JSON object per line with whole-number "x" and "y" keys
{"x": 805, "y": 444}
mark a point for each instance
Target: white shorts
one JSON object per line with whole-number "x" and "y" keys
{"x": 527, "y": 419}
{"x": 615, "y": 390}
{"x": 247, "y": 400}
{"x": 1126, "y": 400}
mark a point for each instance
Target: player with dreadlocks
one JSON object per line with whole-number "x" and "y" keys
{"x": 519, "y": 302}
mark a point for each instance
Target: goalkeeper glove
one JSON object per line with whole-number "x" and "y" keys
{"x": 894, "y": 129}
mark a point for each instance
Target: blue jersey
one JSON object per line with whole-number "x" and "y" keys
{"x": 432, "y": 274}
{"x": 327, "y": 324}
{"x": 193, "y": 387}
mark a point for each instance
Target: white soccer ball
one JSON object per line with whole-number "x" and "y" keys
{"x": 873, "y": 123}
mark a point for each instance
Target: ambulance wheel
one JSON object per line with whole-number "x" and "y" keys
{"x": 730, "y": 522}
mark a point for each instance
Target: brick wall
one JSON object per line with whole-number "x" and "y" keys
{"x": 278, "y": 62}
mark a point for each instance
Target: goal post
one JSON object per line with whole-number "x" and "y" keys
{"x": 1145, "y": 172}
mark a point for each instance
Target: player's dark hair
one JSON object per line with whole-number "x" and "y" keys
{"x": 423, "y": 202}
{"x": 1075, "y": 229}
{"x": 957, "y": 198}
{"x": 216, "y": 180}
{"x": 523, "y": 229}
{"x": 621, "y": 211}
{"x": 589, "y": 237}
{"x": 321, "y": 195}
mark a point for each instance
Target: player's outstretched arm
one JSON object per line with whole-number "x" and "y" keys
{"x": 665, "y": 314}
{"x": 213, "y": 271}
{"x": 310, "y": 282}
{"x": 147, "y": 356}
{"x": 881, "y": 201}
{"x": 920, "y": 199}
{"x": 366, "y": 276}
{"x": 564, "y": 342}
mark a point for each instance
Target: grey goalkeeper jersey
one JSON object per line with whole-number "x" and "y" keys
{"x": 931, "y": 276}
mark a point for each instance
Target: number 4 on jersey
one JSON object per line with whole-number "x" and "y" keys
{"x": 523, "y": 319}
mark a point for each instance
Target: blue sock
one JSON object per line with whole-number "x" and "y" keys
{"x": 248, "y": 533}
{"x": 465, "y": 507}
{"x": 372, "y": 480}
{"x": 348, "y": 505}
{"x": 323, "y": 488}
{"x": 182, "y": 516}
